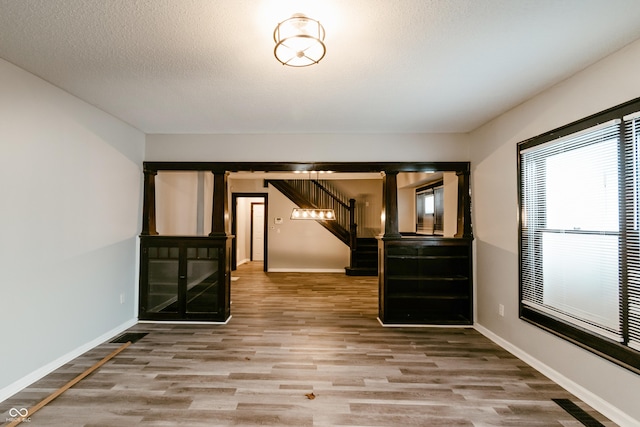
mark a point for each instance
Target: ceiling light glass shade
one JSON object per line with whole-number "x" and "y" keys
{"x": 314, "y": 214}
{"x": 299, "y": 41}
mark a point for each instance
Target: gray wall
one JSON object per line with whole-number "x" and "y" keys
{"x": 494, "y": 182}
{"x": 70, "y": 193}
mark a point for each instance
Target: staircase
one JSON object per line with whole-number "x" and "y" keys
{"x": 364, "y": 259}
{"x": 317, "y": 194}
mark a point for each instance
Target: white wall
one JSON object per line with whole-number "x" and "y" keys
{"x": 308, "y": 148}
{"x": 183, "y": 208}
{"x": 407, "y": 210}
{"x": 71, "y": 197}
{"x": 368, "y": 196}
{"x": 494, "y": 183}
{"x": 297, "y": 245}
{"x": 450, "y": 183}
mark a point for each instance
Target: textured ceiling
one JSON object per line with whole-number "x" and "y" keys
{"x": 392, "y": 66}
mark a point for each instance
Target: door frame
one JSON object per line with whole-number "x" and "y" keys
{"x": 234, "y": 229}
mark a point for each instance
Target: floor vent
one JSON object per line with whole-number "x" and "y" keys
{"x": 578, "y": 413}
{"x": 129, "y": 337}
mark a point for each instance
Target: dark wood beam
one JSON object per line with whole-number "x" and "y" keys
{"x": 219, "y": 167}
{"x": 220, "y": 211}
{"x": 149, "y": 203}
{"x": 390, "y": 205}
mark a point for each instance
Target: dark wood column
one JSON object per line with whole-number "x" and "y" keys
{"x": 220, "y": 234}
{"x": 220, "y": 212}
{"x": 390, "y": 205}
{"x": 149, "y": 204}
{"x": 464, "y": 205}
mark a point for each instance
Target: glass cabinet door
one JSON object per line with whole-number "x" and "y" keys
{"x": 202, "y": 280}
{"x": 183, "y": 279}
{"x": 163, "y": 279}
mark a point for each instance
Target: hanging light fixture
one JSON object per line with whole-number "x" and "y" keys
{"x": 299, "y": 41}
{"x": 313, "y": 213}
{"x": 316, "y": 214}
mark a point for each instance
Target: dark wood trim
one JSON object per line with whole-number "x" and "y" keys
{"x": 220, "y": 167}
{"x": 219, "y": 215}
{"x": 425, "y": 280}
{"x": 612, "y": 351}
{"x": 149, "y": 203}
{"x": 390, "y": 226}
{"x": 464, "y": 206}
{"x": 434, "y": 184}
{"x": 590, "y": 121}
{"x": 221, "y": 311}
{"x": 151, "y": 168}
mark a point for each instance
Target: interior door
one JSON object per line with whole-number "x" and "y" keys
{"x": 257, "y": 231}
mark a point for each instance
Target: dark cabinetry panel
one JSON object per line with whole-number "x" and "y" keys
{"x": 184, "y": 278}
{"x": 425, "y": 280}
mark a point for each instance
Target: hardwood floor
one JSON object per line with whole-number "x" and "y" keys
{"x": 302, "y": 350}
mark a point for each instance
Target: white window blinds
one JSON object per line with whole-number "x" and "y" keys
{"x": 630, "y": 297}
{"x": 570, "y": 233}
{"x": 579, "y": 199}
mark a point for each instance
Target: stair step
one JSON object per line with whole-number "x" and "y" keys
{"x": 366, "y": 254}
{"x": 361, "y": 271}
{"x": 365, "y": 258}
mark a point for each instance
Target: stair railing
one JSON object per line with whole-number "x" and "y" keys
{"x": 322, "y": 195}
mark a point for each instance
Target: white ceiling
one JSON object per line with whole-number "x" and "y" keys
{"x": 392, "y": 66}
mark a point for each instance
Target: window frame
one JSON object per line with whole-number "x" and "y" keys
{"x": 616, "y": 352}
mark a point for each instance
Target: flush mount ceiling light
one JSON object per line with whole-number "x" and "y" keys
{"x": 299, "y": 41}
{"x": 317, "y": 214}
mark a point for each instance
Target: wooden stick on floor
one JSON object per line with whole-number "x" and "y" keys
{"x": 68, "y": 385}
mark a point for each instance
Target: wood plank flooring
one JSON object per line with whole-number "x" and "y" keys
{"x": 301, "y": 350}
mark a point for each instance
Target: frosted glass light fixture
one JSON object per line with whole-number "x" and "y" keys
{"x": 299, "y": 41}
{"x": 315, "y": 214}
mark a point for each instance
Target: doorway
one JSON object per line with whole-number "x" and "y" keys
{"x": 249, "y": 227}
{"x": 257, "y": 231}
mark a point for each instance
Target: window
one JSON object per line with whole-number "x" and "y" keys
{"x": 579, "y": 233}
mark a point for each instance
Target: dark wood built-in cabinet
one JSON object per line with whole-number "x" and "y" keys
{"x": 425, "y": 280}
{"x": 422, "y": 279}
{"x": 184, "y": 278}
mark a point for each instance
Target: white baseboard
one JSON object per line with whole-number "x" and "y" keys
{"x": 34, "y": 376}
{"x": 596, "y": 402}
{"x": 244, "y": 261}
{"x": 306, "y": 270}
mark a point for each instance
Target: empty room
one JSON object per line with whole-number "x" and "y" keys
{"x": 320, "y": 213}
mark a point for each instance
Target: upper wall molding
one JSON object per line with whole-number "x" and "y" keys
{"x": 219, "y": 167}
